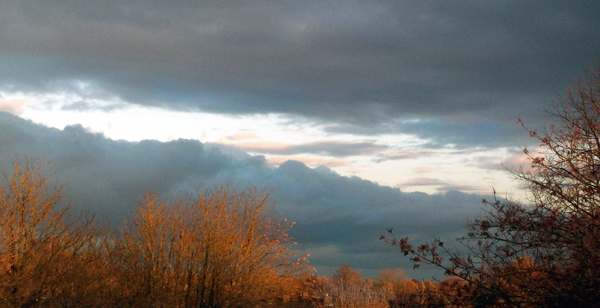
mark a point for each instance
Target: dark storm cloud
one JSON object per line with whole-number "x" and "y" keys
{"x": 339, "y": 219}
{"x": 462, "y": 132}
{"x": 105, "y": 175}
{"x": 361, "y": 62}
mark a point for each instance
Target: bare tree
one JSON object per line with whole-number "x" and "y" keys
{"x": 225, "y": 248}
{"x": 348, "y": 289}
{"x": 545, "y": 252}
{"x": 39, "y": 240}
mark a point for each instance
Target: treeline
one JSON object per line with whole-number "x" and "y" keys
{"x": 219, "y": 248}
{"x": 392, "y": 288}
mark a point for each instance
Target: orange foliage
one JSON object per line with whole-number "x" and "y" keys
{"x": 225, "y": 248}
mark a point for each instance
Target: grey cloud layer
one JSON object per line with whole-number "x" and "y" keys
{"x": 359, "y": 62}
{"x": 339, "y": 219}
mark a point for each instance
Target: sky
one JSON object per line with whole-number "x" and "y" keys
{"x": 360, "y": 115}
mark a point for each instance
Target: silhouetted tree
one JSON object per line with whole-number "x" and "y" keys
{"x": 545, "y": 252}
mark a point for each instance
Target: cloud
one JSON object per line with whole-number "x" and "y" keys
{"x": 513, "y": 160}
{"x": 424, "y": 181}
{"x": 443, "y": 186}
{"x": 309, "y": 160}
{"x": 340, "y": 218}
{"x": 14, "y": 105}
{"x": 402, "y": 154}
{"x": 460, "y": 132}
{"x": 358, "y": 62}
{"x": 240, "y": 136}
{"x": 333, "y": 148}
